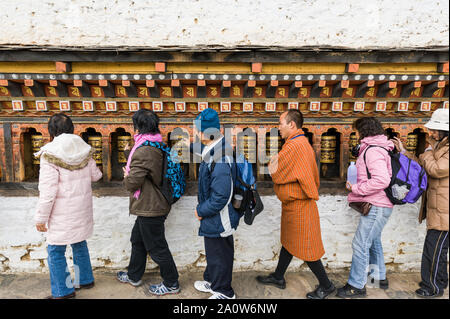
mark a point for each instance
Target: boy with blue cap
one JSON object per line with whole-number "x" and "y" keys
{"x": 218, "y": 219}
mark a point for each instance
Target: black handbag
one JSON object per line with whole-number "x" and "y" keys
{"x": 253, "y": 207}
{"x": 361, "y": 207}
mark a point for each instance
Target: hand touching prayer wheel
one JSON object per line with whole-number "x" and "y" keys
{"x": 96, "y": 143}
{"x": 122, "y": 142}
{"x": 411, "y": 142}
{"x": 36, "y": 144}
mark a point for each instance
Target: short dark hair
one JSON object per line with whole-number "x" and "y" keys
{"x": 442, "y": 135}
{"x": 146, "y": 122}
{"x": 368, "y": 126}
{"x": 59, "y": 124}
{"x": 294, "y": 115}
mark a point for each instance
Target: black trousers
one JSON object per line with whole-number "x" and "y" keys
{"x": 315, "y": 266}
{"x": 219, "y": 264}
{"x": 148, "y": 236}
{"x": 434, "y": 261}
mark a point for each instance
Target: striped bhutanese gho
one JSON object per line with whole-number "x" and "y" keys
{"x": 296, "y": 184}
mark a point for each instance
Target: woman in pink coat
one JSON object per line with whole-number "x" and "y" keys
{"x": 65, "y": 205}
{"x": 374, "y": 175}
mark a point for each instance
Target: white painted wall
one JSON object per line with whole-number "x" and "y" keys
{"x": 347, "y": 23}
{"x": 23, "y": 249}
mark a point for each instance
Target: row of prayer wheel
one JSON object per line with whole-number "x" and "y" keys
{"x": 246, "y": 145}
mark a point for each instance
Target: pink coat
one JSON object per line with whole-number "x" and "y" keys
{"x": 378, "y": 162}
{"x": 65, "y": 199}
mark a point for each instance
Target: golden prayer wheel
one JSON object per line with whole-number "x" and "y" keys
{"x": 411, "y": 142}
{"x": 122, "y": 142}
{"x": 352, "y": 143}
{"x": 273, "y": 145}
{"x": 96, "y": 143}
{"x": 182, "y": 149}
{"x": 247, "y": 145}
{"x": 328, "y": 149}
{"x": 36, "y": 144}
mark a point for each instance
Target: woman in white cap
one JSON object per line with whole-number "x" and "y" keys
{"x": 435, "y": 204}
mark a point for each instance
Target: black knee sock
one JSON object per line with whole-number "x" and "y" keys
{"x": 318, "y": 270}
{"x": 283, "y": 263}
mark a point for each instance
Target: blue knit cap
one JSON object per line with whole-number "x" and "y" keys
{"x": 207, "y": 119}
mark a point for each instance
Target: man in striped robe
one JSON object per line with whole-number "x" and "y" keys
{"x": 296, "y": 183}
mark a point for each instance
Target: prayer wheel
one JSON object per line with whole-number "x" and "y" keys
{"x": 180, "y": 148}
{"x": 247, "y": 145}
{"x": 273, "y": 145}
{"x": 36, "y": 144}
{"x": 122, "y": 142}
{"x": 328, "y": 150}
{"x": 96, "y": 143}
{"x": 352, "y": 143}
{"x": 411, "y": 142}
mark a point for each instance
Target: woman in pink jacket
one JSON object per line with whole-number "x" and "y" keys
{"x": 367, "y": 249}
{"x": 65, "y": 205}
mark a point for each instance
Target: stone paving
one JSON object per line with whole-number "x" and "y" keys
{"x": 37, "y": 286}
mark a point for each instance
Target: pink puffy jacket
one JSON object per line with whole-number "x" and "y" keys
{"x": 378, "y": 162}
{"x": 65, "y": 199}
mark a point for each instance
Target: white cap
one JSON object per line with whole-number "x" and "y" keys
{"x": 438, "y": 121}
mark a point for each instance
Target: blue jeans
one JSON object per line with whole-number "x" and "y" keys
{"x": 367, "y": 249}
{"x": 60, "y": 280}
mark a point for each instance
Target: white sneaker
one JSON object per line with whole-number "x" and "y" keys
{"x": 218, "y": 295}
{"x": 203, "y": 286}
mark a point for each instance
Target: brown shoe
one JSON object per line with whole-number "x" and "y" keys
{"x": 72, "y": 295}
{"x": 86, "y": 286}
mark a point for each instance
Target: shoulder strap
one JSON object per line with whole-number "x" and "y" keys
{"x": 365, "y": 151}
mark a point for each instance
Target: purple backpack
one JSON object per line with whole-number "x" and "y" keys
{"x": 408, "y": 181}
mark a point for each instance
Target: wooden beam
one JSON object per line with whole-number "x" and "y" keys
{"x": 15, "y": 89}
{"x": 407, "y": 89}
{"x": 225, "y": 87}
{"x": 256, "y": 67}
{"x": 383, "y": 89}
{"x": 160, "y": 66}
{"x": 271, "y": 89}
{"x": 362, "y": 89}
{"x": 351, "y": 67}
{"x": 249, "y": 90}
{"x": 337, "y": 90}
{"x": 131, "y": 89}
{"x": 315, "y": 90}
{"x": 154, "y": 89}
{"x": 293, "y": 89}
{"x": 429, "y": 89}
{"x": 177, "y": 90}
{"x": 109, "y": 90}
{"x": 442, "y": 67}
{"x": 63, "y": 67}
{"x": 201, "y": 91}
{"x": 8, "y": 173}
{"x": 85, "y": 90}
{"x": 392, "y": 84}
{"x": 61, "y": 88}
{"x": 38, "y": 89}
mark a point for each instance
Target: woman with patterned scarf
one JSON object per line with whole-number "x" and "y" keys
{"x": 143, "y": 179}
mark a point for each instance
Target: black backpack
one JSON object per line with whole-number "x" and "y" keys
{"x": 251, "y": 204}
